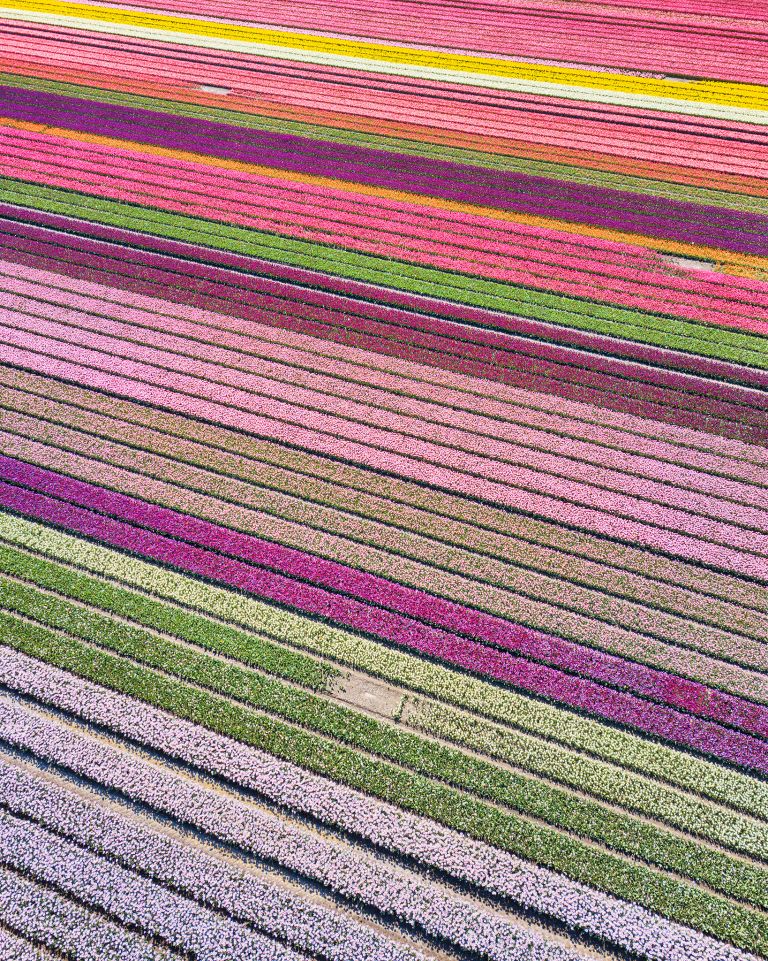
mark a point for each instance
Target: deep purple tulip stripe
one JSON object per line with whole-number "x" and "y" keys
{"x": 745, "y": 233}
{"x": 616, "y": 706}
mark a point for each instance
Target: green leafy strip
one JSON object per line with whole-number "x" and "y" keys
{"x": 687, "y": 336}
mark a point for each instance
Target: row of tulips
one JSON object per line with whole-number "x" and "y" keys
{"x": 207, "y": 351}
{"x": 46, "y": 348}
{"x": 41, "y": 918}
{"x": 579, "y": 560}
{"x": 325, "y": 428}
{"x": 540, "y": 725}
{"x": 702, "y": 735}
{"x": 575, "y": 428}
{"x": 387, "y": 828}
{"x": 251, "y": 509}
{"x": 511, "y": 532}
{"x": 128, "y": 898}
{"x": 553, "y": 434}
{"x": 412, "y": 791}
{"x": 361, "y": 878}
{"x": 217, "y": 883}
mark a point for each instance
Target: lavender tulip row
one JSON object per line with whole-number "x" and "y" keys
{"x": 130, "y": 899}
{"x": 706, "y": 736}
{"x": 498, "y": 873}
{"x": 207, "y": 879}
{"x": 48, "y": 918}
{"x": 14, "y": 948}
{"x": 582, "y": 734}
{"x": 355, "y": 875}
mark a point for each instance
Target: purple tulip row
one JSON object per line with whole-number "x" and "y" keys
{"x": 130, "y": 899}
{"x": 362, "y": 878}
{"x": 189, "y": 869}
{"x": 14, "y": 948}
{"x": 496, "y": 872}
{"x": 702, "y": 735}
{"x": 345, "y": 565}
{"x": 50, "y": 919}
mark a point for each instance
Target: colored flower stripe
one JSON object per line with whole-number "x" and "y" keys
{"x": 733, "y": 403}
{"x": 388, "y": 562}
{"x": 730, "y": 831}
{"x": 450, "y": 286}
{"x": 405, "y": 387}
{"x": 511, "y": 361}
{"x": 752, "y": 95}
{"x": 389, "y": 828}
{"x": 397, "y": 298}
{"x": 495, "y": 534}
{"x": 209, "y": 880}
{"x": 47, "y": 918}
{"x": 675, "y": 181}
{"x": 153, "y": 910}
{"x": 737, "y": 231}
{"x": 703, "y": 735}
{"x": 387, "y": 592}
{"x": 544, "y": 722}
{"x": 580, "y": 505}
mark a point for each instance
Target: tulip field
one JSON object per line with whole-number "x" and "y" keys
{"x": 383, "y": 480}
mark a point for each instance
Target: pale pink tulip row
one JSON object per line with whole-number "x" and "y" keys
{"x": 457, "y": 856}
{"x": 189, "y": 869}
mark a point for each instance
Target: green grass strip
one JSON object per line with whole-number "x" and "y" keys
{"x": 704, "y": 778}
{"x": 698, "y": 339}
{"x": 528, "y": 796}
{"x": 670, "y": 897}
{"x": 644, "y": 185}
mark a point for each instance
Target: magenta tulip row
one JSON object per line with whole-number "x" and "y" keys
{"x": 702, "y": 735}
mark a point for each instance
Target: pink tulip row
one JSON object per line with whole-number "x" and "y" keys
{"x": 518, "y": 594}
